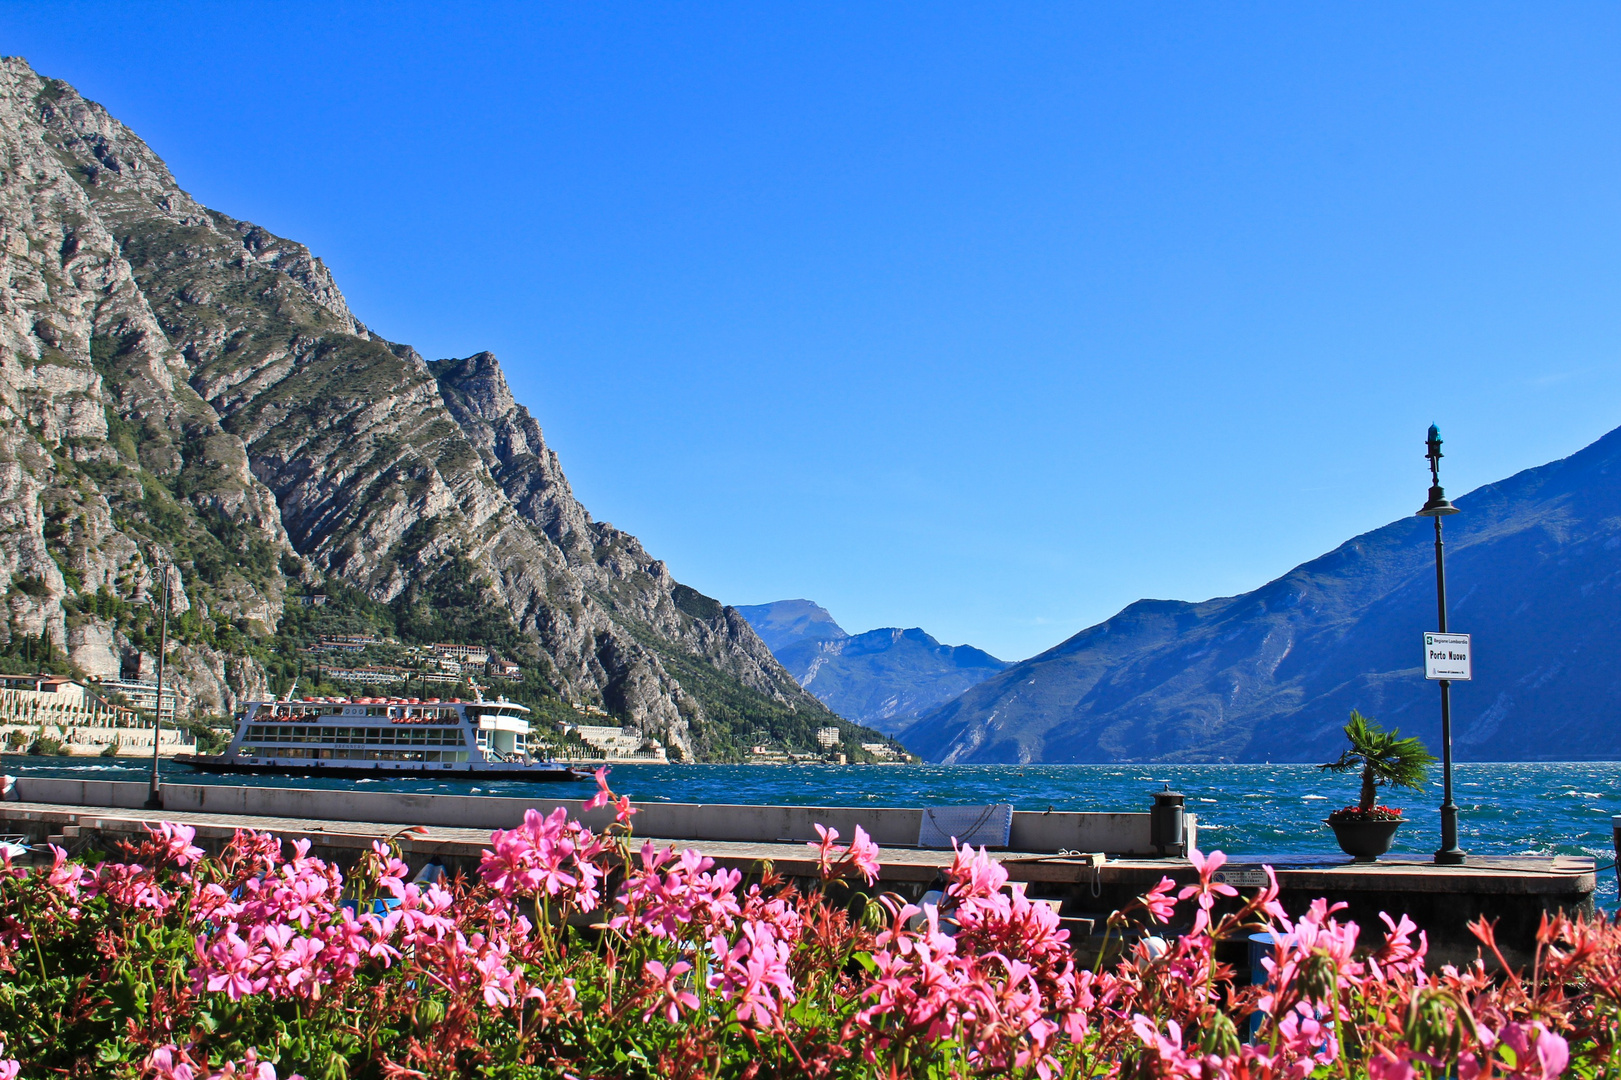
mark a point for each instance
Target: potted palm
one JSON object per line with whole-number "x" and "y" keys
{"x": 1386, "y": 760}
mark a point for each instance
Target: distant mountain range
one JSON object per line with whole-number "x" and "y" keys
{"x": 1534, "y": 574}
{"x": 884, "y": 678}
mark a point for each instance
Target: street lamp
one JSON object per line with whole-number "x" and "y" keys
{"x": 1437, "y": 508}
{"x": 154, "y": 799}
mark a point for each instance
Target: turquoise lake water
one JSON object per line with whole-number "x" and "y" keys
{"x": 1252, "y": 810}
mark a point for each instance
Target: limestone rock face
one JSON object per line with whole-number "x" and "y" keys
{"x": 181, "y": 388}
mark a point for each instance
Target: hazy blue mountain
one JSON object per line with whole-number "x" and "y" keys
{"x": 1534, "y": 574}
{"x": 884, "y": 678}
{"x": 786, "y": 622}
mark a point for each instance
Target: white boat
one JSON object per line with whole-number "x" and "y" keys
{"x": 376, "y": 737}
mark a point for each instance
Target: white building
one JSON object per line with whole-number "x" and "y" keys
{"x": 467, "y": 654}
{"x": 366, "y": 676}
{"x": 827, "y": 737}
{"x": 619, "y": 744}
{"x": 62, "y": 709}
{"x": 141, "y": 695}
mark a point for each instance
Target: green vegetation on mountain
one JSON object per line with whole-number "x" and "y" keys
{"x": 187, "y": 397}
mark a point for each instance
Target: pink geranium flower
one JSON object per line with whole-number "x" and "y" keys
{"x": 174, "y": 843}
{"x": 600, "y": 799}
{"x": 671, "y": 998}
{"x": 865, "y": 855}
{"x": 827, "y": 850}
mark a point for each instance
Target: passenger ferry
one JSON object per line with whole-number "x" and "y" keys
{"x": 376, "y": 737}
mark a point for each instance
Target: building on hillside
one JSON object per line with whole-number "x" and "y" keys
{"x": 498, "y": 668}
{"x": 828, "y": 737}
{"x": 348, "y": 642}
{"x": 884, "y": 751}
{"x": 439, "y": 678}
{"x": 467, "y": 654}
{"x": 312, "y": 600}
{"x": 365, "y": 674}
{"x": 141, "y": 694}
{"x": 44, "y": 684}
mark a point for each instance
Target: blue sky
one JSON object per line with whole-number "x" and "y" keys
{"x": 988, "y": 319}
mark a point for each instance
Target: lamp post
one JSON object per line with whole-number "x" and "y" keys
{"x": 1437, "y": 508}
{"x": 154, "y": 799}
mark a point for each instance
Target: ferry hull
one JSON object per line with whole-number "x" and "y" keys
{"x": 378, "y": 770}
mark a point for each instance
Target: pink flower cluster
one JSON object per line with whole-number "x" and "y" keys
{"x": 283, "y": 932}
{"x": 683, "y": 899}
{"x": 831, "y": 859}
{"x": 170, "y": 1062}
{"x": 677, "y": 896}
{"x": 550, "y": 858}
{"x": 685, "y": 957}
{"x": 999, "y": 976}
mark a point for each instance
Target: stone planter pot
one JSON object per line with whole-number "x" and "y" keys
{"x": 1365, "y": 841}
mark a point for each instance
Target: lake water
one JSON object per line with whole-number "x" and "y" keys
{"x": 1252, "y": 810}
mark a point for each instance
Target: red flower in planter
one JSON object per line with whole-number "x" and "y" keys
{"x": 1376, "y": 813}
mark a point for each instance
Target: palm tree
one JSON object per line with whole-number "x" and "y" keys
{"x": 1383, "y": 757}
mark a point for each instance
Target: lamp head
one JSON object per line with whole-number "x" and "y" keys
{"x": 1438, "y": 505}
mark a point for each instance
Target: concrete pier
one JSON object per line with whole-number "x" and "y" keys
{"x": 1440, "y": 899}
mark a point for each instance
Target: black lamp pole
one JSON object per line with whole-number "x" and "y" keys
{"x": 1437, "y": 508}
{"x": 154, "y": 800}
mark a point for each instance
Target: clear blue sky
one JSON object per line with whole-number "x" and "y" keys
{"x": 987, "y": 319}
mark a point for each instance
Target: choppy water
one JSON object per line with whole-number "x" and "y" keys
{"x": 1254, "y": 810}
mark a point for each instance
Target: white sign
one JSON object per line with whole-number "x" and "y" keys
{"x": 1446, "y": 656}
{"x": 1243, "y": 879}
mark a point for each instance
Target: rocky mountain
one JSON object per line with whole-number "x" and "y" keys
{"x": 180, "y": 388}
{"x": 787, "y": 622}
{"x": 1533, "y": 574}
{"x": 884, "y": 678}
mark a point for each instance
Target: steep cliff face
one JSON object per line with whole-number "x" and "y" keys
{"x": 614, "y": 568}
{"x": 181, "y": 387}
